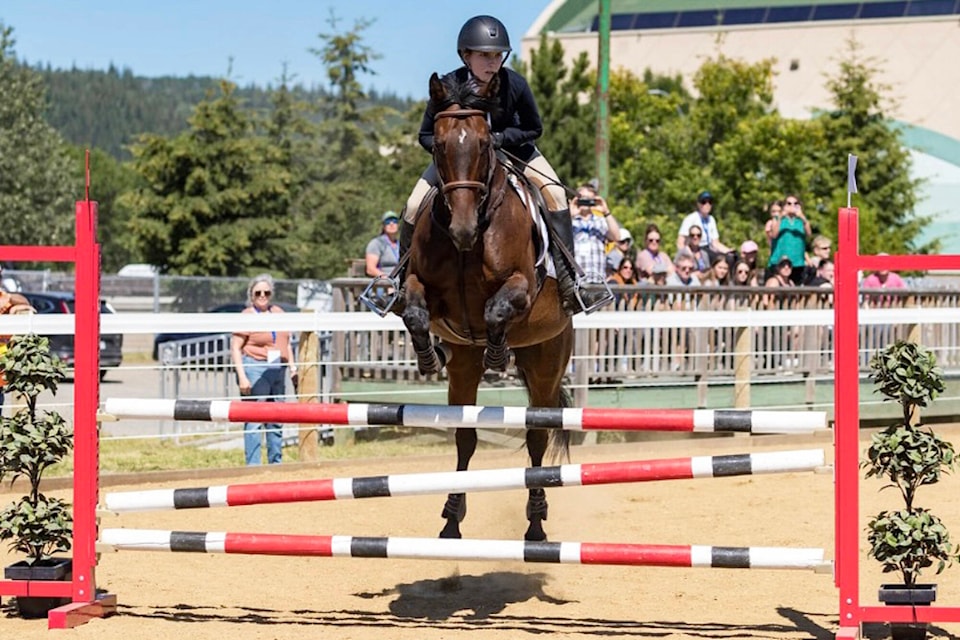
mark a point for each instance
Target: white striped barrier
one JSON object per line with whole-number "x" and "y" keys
{"x": 450, "y": 417}
{"x": 598, "y": 553}
{"x": 463, "y": 481}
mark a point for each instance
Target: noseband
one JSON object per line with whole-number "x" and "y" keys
{"x": 482, "y": 187}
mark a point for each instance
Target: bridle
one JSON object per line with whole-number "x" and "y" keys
{"x": 482, "y": 187}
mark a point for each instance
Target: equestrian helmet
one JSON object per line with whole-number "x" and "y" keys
{"x": 483, "y": 33}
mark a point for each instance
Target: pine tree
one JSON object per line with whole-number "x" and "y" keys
{"x": 36, "y": 191}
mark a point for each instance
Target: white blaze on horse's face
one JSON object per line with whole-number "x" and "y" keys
{"x": 463, "y": 136}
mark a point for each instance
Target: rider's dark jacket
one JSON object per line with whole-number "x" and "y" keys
{"x": 518, "y": 117}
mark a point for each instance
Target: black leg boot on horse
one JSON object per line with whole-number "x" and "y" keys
{"x": 576, "y": 294}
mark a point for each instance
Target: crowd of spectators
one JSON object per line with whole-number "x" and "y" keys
{"x": 702, "y": 258}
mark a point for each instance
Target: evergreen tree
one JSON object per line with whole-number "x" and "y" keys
{"x": 567, "y": 107}
{"x": 216, "y": 197}
{"x": 36, "y": 191}
{"x": 859, "y": 125}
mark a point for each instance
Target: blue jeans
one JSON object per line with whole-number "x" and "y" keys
{"x": 267, "y": 385}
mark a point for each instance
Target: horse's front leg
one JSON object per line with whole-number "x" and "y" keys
{"x": 511, "y": 301}
{"x": 416, "y": 318}
{"x": 464, "y": 371}
{"x": 537, "y": 499}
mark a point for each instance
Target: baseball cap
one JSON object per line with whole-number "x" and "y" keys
{"x": 783, "y": 260}
{"x": 625, "y": 235}
{"x": 389, "y": 215}
{"x": 705, "y": 196}
{"x": 658, "y": 268}
{"x": 749, "y": 246}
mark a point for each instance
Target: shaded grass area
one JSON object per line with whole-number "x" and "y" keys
{"x": 135, "y": 456}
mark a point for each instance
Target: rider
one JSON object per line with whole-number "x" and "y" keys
{"x": 484, "y": 45}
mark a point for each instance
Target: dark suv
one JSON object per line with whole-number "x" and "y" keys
{"x": 111, "y": 346}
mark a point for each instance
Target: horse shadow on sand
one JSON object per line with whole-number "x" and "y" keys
{"x": 459, "y": 603}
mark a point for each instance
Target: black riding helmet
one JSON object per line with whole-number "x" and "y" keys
{"x": 483, "y": 33}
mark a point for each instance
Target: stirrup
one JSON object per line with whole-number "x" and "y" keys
{"x": 592, "y": 287}
{"x": 379, "y": 303}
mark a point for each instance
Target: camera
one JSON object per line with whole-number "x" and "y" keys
{"x": 586, "y": 202}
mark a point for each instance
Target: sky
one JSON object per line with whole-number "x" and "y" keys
{"x": 200, "y": 37}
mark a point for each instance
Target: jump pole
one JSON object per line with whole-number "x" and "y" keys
{"x": 599, "y": 553}
{"x": 460, "y": 481}
{"x": 456, "y": 416}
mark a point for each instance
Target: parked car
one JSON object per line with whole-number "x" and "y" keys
{"x": 230, "y": 307}
{"x": 111, "y": 346}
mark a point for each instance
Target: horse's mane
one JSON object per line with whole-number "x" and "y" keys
{"x": 464, "y": 94}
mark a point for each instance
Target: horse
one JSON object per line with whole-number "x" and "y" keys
{"x": 472, "y": 282}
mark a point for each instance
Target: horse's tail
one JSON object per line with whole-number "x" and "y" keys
{"x": 558, "y": 442}
{"x": 558, "y": 447}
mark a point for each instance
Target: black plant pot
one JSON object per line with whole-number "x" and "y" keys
{"x": 919, "y": 595}
{"x": 53, "y": 569}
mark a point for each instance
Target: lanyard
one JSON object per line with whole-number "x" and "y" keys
{"x": 272, "y": 333}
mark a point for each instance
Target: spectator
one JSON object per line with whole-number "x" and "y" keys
{"x": 383, "y": 252}
{"x": 820, "y": 247}
{"x": 260, "y": 359}
{"x": 701, "y": 260}
{"x": 625, "y": 276}
{"x": 748, "y": 253}
{"x": 703, "y": 216}
{"x": 10, "y": 304}
{"x": 593, "y": 226}
{"x": 684, "y": 273}
{"x": 719, "y": 273}
{"x": 650, "y": 255}
{"x": 824, "y": 274}
{"x": 8, "y": 283}
{"x": 744, "y": 275}
{"x": 622, "y": 249}
{"x": 883, "y": 279}
{"x": 780, "y": 278}
{"x": 772, "y": 224}
{"x": 791, "y": 238}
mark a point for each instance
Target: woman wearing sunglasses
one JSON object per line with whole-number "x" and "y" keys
{"x": 261, "y": 358}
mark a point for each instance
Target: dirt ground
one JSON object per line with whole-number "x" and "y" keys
{"x": 211, "y": 597}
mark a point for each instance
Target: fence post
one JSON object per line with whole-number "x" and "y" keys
{"x": 742, "y": 367}
{"x": 308, "y": 357}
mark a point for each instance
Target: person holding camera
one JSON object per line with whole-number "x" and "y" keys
{"x": 593, "y": 226}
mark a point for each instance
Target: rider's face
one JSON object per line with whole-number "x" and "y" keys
{"x": 483, "y": 64}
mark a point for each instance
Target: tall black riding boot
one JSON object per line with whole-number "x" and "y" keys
{"x": 561, "y": 231}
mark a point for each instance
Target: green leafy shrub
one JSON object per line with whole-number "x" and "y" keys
{"x": 30, "y": 442}
{"x": 909, "y": 456}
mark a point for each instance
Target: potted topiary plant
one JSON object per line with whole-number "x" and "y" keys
{"x": 909, "y": 455}
{"x": 31, "y": 441}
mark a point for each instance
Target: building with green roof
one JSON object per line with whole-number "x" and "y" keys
{"x": 915, "y": 43}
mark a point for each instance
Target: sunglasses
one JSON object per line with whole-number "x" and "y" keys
{"x": 626, "y": 266}
{"x": 653, "y": 239}
{"x": 696, "y": 235}
{"x": 391, "y": 221}
{"x": 685, "y": 269}
{"x": 262, "y": 294}
{"x": 791, "y": 202}
{"x": 742, "y": 272}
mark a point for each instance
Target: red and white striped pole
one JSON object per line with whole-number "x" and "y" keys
{"x": 454, "y": 549}
{"x": 463, "y": 481}
{"x": 457, "y": 416}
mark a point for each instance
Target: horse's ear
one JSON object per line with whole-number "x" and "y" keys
{"x": 437, "y": 91}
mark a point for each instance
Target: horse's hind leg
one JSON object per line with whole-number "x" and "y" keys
{"x": 464, "y": 370}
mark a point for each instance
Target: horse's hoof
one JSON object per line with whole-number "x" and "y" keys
{"x": 535, "y": 534}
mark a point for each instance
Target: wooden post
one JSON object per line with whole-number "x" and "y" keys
{"x": 742, "y": 367}
{"x": 309, "y": 390}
